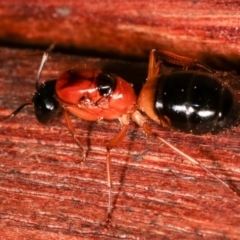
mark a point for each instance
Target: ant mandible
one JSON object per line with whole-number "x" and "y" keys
{"x": 175, "y": 99}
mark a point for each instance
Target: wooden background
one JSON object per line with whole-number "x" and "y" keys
{"x": 45, "y": 190}
{"x": 207, "y": 30}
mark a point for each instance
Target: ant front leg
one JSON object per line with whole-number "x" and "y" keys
{"x": 71, "y": 130}
{"x": 178, "y": 60}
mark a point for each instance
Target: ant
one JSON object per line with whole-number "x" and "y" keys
{"x": 192, "y": 101}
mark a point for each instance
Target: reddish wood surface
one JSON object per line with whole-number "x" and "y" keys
{"x": 46, "y": 193}
{"x": 197, "y": 29}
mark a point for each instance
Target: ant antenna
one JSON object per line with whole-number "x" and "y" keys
{"x": 15, "y": 112}
{"x": 51, "y": 47}
{"x": 44, "y": 59}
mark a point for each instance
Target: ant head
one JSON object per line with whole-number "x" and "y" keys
{"x": 45, "y": 103}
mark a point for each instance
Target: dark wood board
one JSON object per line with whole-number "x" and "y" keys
{"x": 47, "y": 193}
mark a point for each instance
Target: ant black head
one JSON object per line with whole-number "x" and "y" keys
{"x": 44, "y": 101}
{"x": 45, "y": 104}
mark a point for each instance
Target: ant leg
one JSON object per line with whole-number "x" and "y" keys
{"x": 124, "y": 120}
{"x": 147, "y": 95}
{"x": 142, "y": 122}
{"x": 178, "y": 60}
{"x": 194, "y": 162}
{"x": 71, "y": 130}
{"x": 153, "y": 65}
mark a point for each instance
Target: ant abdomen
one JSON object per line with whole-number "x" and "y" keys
{"x": 195, "y": 102}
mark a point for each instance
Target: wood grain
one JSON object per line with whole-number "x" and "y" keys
{"x": 47, "y": 193}
{"x": 206, "y": 30}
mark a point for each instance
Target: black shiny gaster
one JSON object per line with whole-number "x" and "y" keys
{"x": 195, "y": 102}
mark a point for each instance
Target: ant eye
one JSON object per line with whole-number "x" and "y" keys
{"x": 106, "y": 84}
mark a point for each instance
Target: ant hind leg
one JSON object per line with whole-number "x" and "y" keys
{"x": 178, "y": 60}
{"x": 113, "y": 143}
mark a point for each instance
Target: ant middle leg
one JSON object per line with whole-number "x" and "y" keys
{"x": 124, "y": 120}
